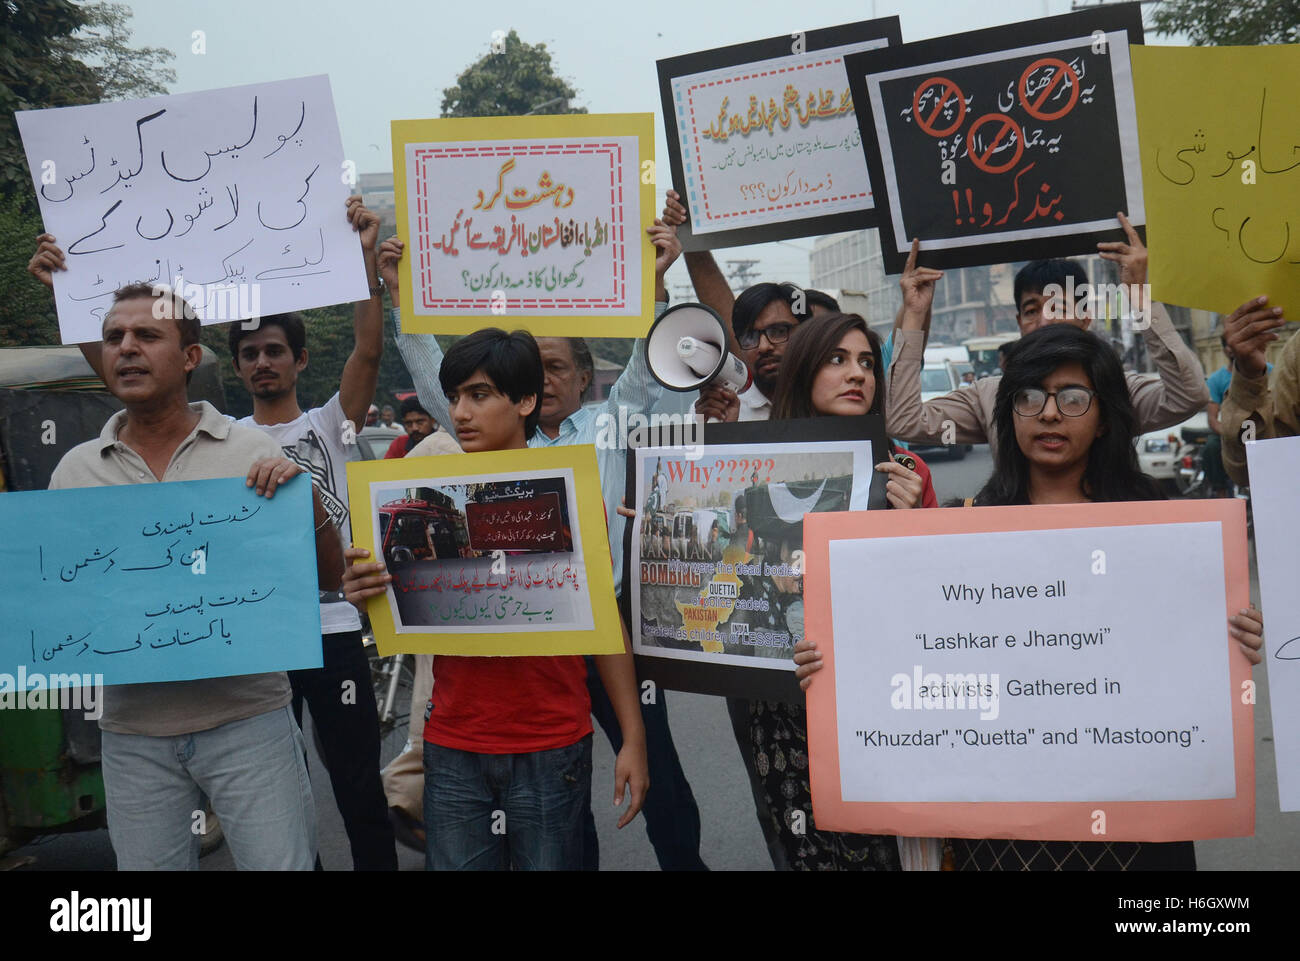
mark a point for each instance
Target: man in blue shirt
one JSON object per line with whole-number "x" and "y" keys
{"x": 671, "y": 814}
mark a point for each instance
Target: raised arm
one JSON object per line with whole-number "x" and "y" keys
{"x": 420, "y": 352}
{"x": 636, "y": 389}
{"x": 711, "y": 286}
{"x": 1271, "y": 410}
{"x": 906, "y": 417}
{"x": 361, "y": 371}
{"x": 1180, "y": 390}
{"x": 47, "y": 259}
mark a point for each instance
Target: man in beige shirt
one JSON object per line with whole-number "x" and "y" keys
{"x": 1271, "y": 409}
{"x": 234, "y": 738}
{"x": 965, "y": 416}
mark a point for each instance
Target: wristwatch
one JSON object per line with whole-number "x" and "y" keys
{"x": 378, "y": 289}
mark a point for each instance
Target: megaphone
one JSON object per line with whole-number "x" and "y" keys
{"x": 687, "y": 349}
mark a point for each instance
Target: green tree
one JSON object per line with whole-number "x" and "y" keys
{"x": 54, "y": 53}
{"x": 517, "y": 81}
{"x": 513, "y": 82}
{"x": 26, "y": 309}
{"x": 122, "y": 71}
{"x": 36, "y": 71}
{"x": 1229, "y": 22}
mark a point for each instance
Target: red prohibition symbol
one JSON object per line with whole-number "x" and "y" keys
{"x": 946, "y": 89}
{"x": 1063, "y": 72}
{"x": 1005, "y": 127}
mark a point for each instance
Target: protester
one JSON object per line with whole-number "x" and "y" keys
{"x": 386, "y": 416}
{"x": 268, "y": 359}
{"x": 1064, "y": 422}
{"x": 830, "y": 369}
{"x": 418, "y": 425}
{"x": 758, "y": 324}
{"x": 511, "y": 734}
{"x": 672, "y": 817}
{"x": 439, "y": 442}
{"x": 232, "y": 738}
{"x": 1266, "y": 410}
{"x": 965, "y": 416}
{"x": 1216, "y": 476}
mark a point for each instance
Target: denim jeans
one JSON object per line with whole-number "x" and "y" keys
{"x": 491, "y": 812}
{"x": 252, "y": 771}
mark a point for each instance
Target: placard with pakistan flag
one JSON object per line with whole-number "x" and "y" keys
{"x": 715, "y": 556}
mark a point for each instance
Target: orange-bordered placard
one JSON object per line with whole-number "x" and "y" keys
{"x": 1157, "y": 789}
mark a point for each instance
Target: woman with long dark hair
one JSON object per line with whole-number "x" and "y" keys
{"x": 832, "y": 367}
{"x": 1065, "y": 426}
{"x": 1081, "y": 449}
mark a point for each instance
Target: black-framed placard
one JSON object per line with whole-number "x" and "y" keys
{"x": 1012, "y": 143}
{"x": 762, "y": 137}
{"x": 713, "y": 562}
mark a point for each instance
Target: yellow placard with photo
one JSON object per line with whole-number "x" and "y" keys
{"x": 499, "y": 553}
{"x": 526, "y": 222}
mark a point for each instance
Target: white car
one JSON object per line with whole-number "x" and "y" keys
{"x": 1157, "y": 450}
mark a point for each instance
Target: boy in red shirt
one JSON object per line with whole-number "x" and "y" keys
{"x": 507, "y": 742}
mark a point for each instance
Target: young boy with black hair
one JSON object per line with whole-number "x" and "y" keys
{"x": 510, "y": 735}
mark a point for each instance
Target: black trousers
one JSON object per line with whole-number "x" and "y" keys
{"x": 347, "y": 719}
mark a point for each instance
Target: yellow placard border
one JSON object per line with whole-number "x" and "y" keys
{"x": 606, "y": 637}
{"x": 561, "y": 127}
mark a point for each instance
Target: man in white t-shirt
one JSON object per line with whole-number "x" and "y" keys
{"x": 268, "y": 358}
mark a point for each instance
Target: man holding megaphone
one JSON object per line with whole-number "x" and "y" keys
{"x": 756, "y": 326}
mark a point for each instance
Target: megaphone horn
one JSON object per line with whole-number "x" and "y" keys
{"x": 687, "y": 349}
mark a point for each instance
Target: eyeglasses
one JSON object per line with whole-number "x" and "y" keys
{"x": 775, "y": 334}
{"x": 1070, "y": 401}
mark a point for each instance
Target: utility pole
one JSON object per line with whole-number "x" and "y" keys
{"x": 739, "y": 272}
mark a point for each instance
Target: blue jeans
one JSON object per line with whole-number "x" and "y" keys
{"x": 672, "y": 818}
{"x": 491, "y": 812}
{"x": 252, "y": 771}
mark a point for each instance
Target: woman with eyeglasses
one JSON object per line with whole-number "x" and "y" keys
{"x": 1065, "y": 425}
{"x": 832, "y": 367}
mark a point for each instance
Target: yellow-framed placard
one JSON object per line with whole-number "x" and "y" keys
{"x": 526, "y": 222}
{"x": 1220, "y": 175}
{"x": 499, "y": 553}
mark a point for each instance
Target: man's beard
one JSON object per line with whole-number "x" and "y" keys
{"x": 270, "y": 390}
{"x": 767, "y": 383}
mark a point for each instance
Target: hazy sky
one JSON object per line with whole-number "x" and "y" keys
{"x": 391, "y": 59}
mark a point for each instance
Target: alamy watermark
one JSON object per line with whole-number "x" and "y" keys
{"x": 625, "y": 429}
{"x": 216, "y": 302}
{"x": 920, "y": 691}
{"x": 35, "y": 691}
{"x": 1098, "y": 300}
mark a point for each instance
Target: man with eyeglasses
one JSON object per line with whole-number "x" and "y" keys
{"x": 965, "y": 416}
{"x": 760, "y": 321}
{"x": 762, "y": 318}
